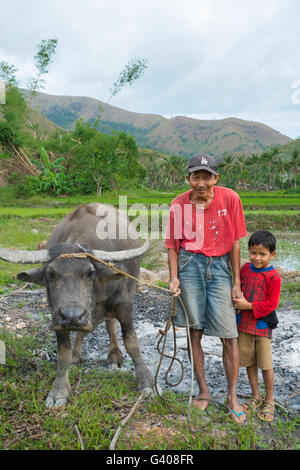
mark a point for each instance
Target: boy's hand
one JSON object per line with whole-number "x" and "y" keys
{"x": 241, "y": 303}
{"x": 174, "y": 286}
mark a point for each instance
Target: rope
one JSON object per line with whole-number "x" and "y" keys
{"x": 122, "y": 424}
{"x": 162, "y": 354}
{"x": 164, "y": 335}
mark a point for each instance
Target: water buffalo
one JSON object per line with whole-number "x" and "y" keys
{"x": 83, "y": 292}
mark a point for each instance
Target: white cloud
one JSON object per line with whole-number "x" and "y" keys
{"x": 211, "y": 57}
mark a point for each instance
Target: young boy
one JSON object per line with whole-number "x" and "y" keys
{"x": 260, "y": 284}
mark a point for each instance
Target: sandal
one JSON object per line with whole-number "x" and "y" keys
{"x": 252, "y": 404}
{"x": 237, "y": 416}
{"x": 268, "y": 409}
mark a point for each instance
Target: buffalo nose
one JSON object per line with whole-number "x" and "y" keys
{"x": 72, "y": 315}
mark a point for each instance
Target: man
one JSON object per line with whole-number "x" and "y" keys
{"x": 204, "y": 228}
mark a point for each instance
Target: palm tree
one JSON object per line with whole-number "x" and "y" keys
{"x": 228, "y": 165}
{"x": 241, "y": 164}
{"x": 295, "y": 161}
{"x": 252, "y": 164}
{"x": 279, "y": 166}
{"x": 272, "y": 157}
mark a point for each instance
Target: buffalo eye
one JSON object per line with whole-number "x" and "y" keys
{"x": 51, "y": 275}
{"x": 91, "y": 273}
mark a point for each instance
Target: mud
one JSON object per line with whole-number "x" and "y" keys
{"x": 151, "y": 310}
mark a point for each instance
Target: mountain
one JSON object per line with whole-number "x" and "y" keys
{"x": 178, "y": 136}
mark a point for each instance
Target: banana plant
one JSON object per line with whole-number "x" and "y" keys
{"x": 45, "y": 164}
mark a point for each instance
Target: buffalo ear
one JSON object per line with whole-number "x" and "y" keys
{"x": 35, "y": 275}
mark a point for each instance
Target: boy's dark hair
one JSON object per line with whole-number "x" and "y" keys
{"x": 263, "y": 237}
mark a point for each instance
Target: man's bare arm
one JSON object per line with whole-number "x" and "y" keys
{"x": 235, "y": 261}
{"x": 173, "y": 269}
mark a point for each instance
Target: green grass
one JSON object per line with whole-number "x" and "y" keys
{"x": 100, "y": 400}
{"x": 268, "y": 200}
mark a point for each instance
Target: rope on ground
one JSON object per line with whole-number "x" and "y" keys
{"x": 79, "y": 437}
{"x": 122, "y": 424}
{"x": 14, "y": 291}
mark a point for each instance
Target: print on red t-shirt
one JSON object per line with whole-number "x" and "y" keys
{"x": 211, "y": 231}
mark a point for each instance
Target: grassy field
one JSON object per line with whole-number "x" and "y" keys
{"x": 100, "y": 400}
{"x": 263, "y": 200}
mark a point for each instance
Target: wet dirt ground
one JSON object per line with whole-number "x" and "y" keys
{"x": 151, "y": 310}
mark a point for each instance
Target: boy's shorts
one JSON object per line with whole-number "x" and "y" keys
{"x": 206, "y": 284}
{"x": 255, "y": 350}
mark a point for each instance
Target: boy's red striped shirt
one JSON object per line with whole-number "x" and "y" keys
{"x": 261, "y": 287}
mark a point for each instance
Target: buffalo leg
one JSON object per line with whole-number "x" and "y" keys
{"x": 77, "y": 348}
{"x": 144, "y": 377}
{"x": 61, "y": 387}
{"x": 115, "y": 357}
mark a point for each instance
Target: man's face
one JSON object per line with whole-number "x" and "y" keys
{"x": 202, "y": 182}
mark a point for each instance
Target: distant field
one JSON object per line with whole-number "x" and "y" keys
{"x": 255, "y": 200}
{"x": 273, "y": 211}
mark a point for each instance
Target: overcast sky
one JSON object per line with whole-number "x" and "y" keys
{"x": 206, "y": 58}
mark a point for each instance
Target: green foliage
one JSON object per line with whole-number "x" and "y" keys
{"x": 8, "y": 73}
{"x": 52, "y": 179}
{"x": 45, "y": 52}
{"x": 101, "y": 162}
{"x": 272, "y": 170}
{"x": 8, "y": 135}
{"x": 131, "y": 72}
{"x": 14, "y": 111}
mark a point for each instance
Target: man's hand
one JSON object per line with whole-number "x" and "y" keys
{"x": 241, "y": 303}
{"x": 174, "y": 286}
{"x": 236, "y": 292}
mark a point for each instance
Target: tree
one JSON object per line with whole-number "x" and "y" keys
{"x": 228, "y": 166}
{"x": 46, "y": 50}
{"x": 279, "y": 166}
{"x": 252, "y": 164}
{"x": 273, "y": 154}
{"x": 14, "y": 109}
{"x": 241, "y": 164}
{"x": 131, "y": 72}
{"x": 295, "y": 161}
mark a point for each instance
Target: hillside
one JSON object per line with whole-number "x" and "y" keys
{"x": 46, "y": 126}
{"x": 179, "y": 135}
{"x": 290, "y": 147}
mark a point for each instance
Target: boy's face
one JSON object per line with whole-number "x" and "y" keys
{"x": 261, "y": 256}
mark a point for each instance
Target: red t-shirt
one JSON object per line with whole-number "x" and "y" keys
{"x": 261, "y": 287}
{"x": 211, "y": 231}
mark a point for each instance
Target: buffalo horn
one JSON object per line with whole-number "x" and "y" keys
{"x": 23, "y": 256}
{"x": 122, "y": 255}
{"x": 42, "y": 256}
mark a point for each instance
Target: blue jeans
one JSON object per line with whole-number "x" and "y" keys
{"x": 206, "y": 284}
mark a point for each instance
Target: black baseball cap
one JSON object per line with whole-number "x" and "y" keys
{"x": 203, "y": 162}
